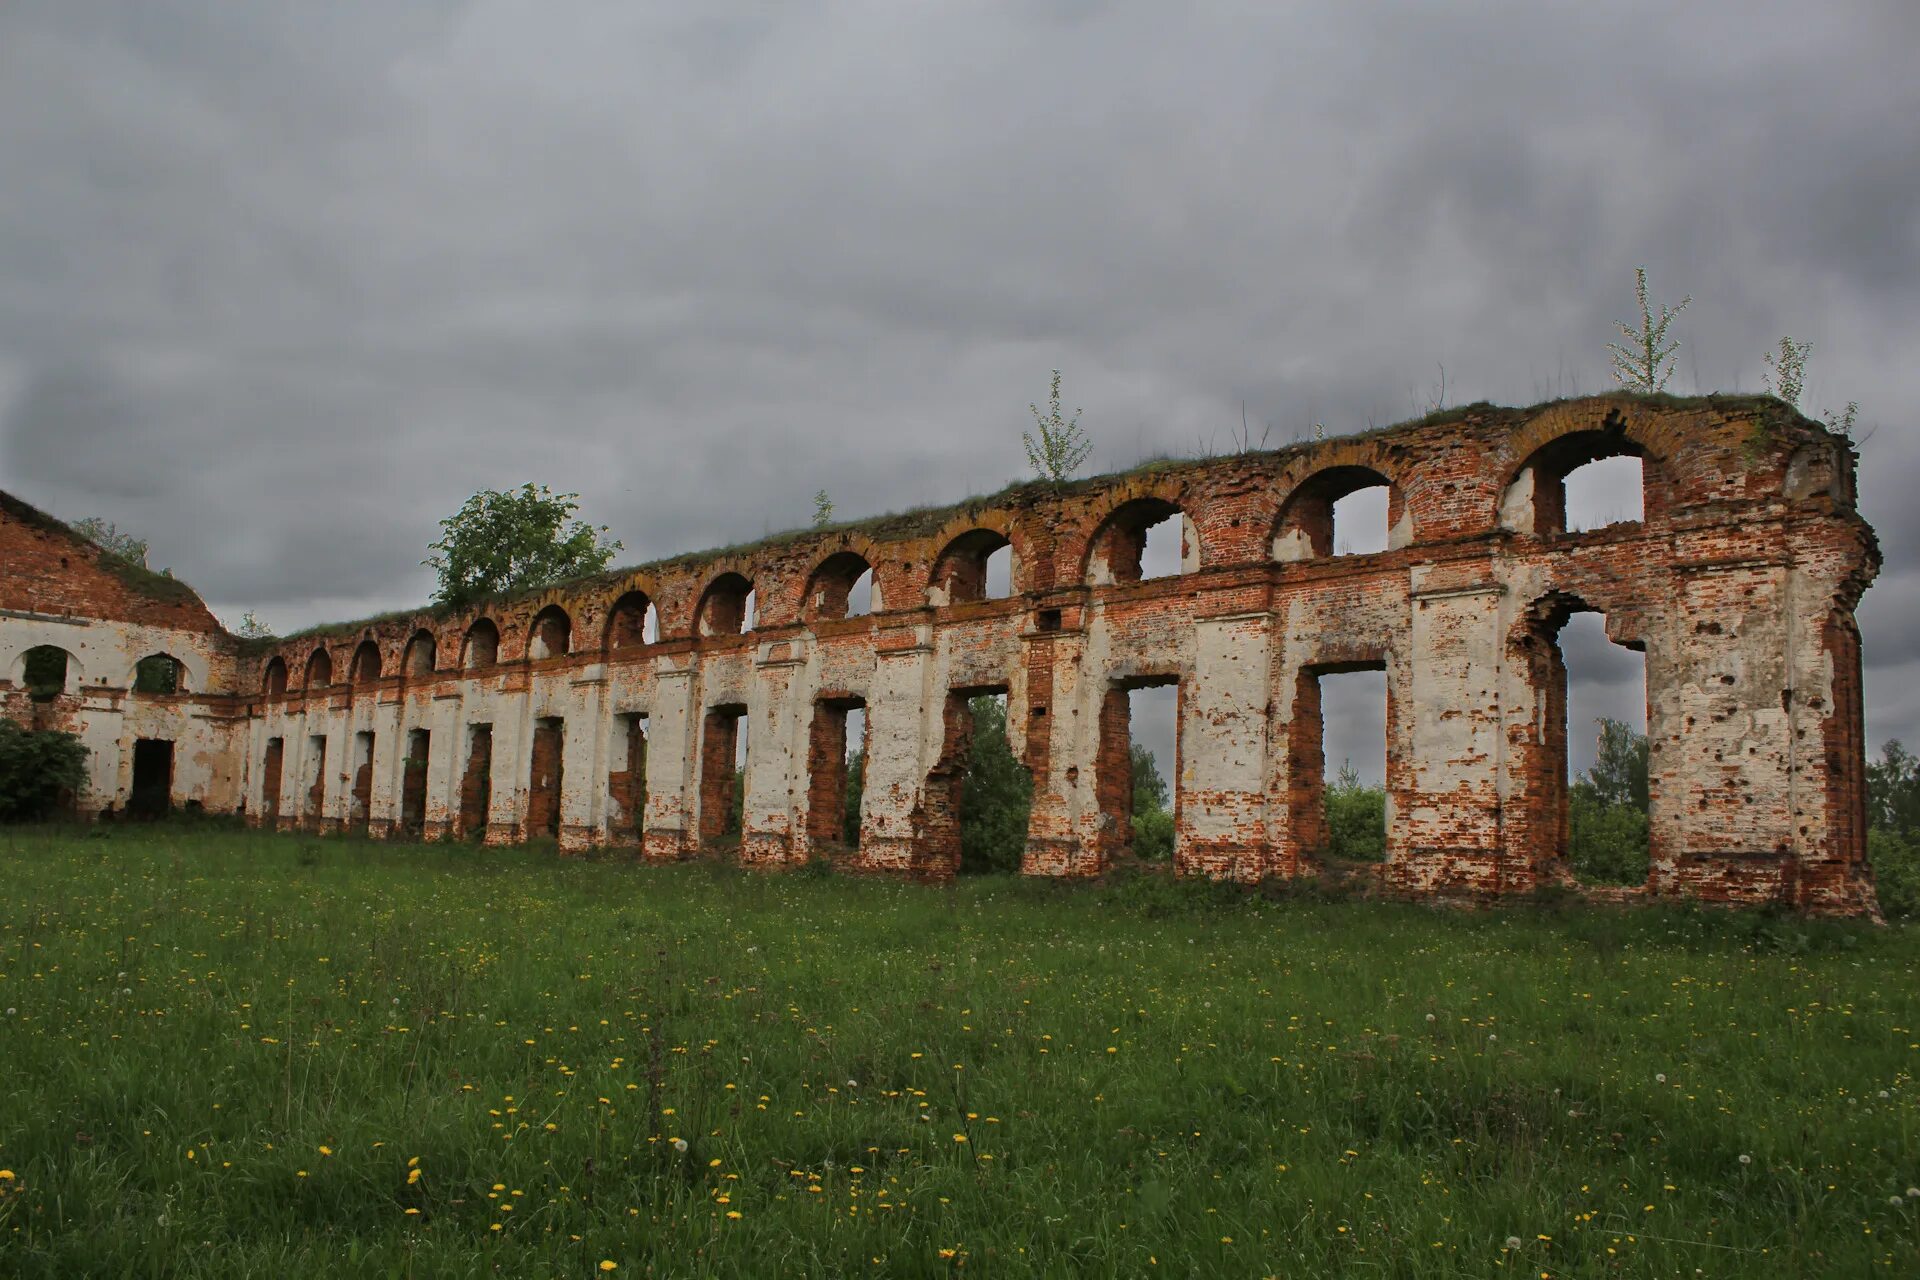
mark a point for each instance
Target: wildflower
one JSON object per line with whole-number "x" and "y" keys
{"x": 1513, "y": 1242}
{"x": 959, "y": 1137}
{"x": 680, "y": 1145}
{"x": 1429, "y": 1017}
{"x": 1660, "y": 1077}
{"x": 734, "y": 1214}
{"x": 608, "y": 1264}
{"x": 1895, "y": 1201}
{"x": 413, "y": 1176}
{"x": 1913, "y": 1193}
{"x": 1745, "y": 1158}
{"x": 326, "y": 1150}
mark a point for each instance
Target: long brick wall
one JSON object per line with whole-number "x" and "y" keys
{"x": 1738, "y": 583}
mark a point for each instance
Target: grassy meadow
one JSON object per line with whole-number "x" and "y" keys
{"x": 224, "y": 1054}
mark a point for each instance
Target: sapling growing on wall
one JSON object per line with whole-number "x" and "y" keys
{"x": 1646, "y": 362}
{"x": 1057, "y": 452}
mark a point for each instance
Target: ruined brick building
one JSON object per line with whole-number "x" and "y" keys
{"x": 558, "y": 711}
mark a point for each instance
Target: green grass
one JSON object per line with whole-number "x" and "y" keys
{"x": 1134, "y": 1079}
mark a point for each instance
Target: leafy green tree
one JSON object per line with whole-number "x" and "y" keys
{"x": 1356, "y": 817}
{"x": 1057, "y": 452}
{"x": 822, "y": 509}
{"x": 1893, "y": 836}
{"x": 1607, "y": 836}
{"x": 1152, "y": 819}
{"x": 102, "y": 534}
{"x": 1893, "y": 791}
{"x": 40, "y": 771}
{"x": 856, "y": 785}
{"x": 504, "y": 542}
{"x": 1646, "y": 362}
{"x": 996, "y": 795}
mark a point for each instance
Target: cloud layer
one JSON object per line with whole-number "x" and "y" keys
{"x": 285, "y": 283}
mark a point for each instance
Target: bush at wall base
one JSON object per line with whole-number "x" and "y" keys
{"x": 41, "y": 770}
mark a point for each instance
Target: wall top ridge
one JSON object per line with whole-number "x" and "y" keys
{"x": 1464, "y": 456}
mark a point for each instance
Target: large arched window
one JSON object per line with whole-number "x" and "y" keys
{"x": 1585, "y": 480}
{"x": 632, "y": 622}
{"x": 159, "y": 673}
{"x": 551, "y": 635}
{"x": 970, "y": 569}
{"x": 842, "y": 587}
{"x": 319, "y": 669}
{"x": 274, "y": 682}
{"x": 47, "y": 671}
{"x": 366, "y": 664}
{"x": 421, "y": 655}
{"x": 1340, "y": 511}
{"x": 727, "y": 607}
{"x": 481, "y": 648}
{"x": 1144, "y": 538}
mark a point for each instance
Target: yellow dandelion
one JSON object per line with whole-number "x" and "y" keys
{"x": 608, "y": 1264}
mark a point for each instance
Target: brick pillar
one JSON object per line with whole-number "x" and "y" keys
{"x": 1113, "y": 771}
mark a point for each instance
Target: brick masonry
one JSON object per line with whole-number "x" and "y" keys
{"x": 1739, "y": 583}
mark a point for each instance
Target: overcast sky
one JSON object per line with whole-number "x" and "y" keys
{"x": 282, "y": 283}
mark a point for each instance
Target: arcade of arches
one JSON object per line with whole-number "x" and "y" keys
{"x": 626, "y": 709}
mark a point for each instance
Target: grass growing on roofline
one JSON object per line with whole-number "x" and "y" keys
{"x": 229, "y": 1053}
{"x": 921, "y": 521}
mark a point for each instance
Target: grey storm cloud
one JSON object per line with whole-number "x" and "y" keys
{"x": 281, "y": 284}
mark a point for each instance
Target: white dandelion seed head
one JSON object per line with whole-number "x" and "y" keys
{"x": 1883, "y": 1095}
{"x": 1895, "y": 1200}
{"x": 1913, "y": 1193}
{"x": 1513, "y": 1242}
{"x": 1745, "y": 1158}
{"x": 1660, "y": 1077}
{"x": 1429, "y": 1017}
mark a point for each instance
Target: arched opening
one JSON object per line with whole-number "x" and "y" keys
{"x": 842, "y": 587}
{"x": 481, "y": 647}
{"x": 836, "y": 772}
{"x": 1343, "y": 511}
{"x": 1145, "y": 538}
{"x": 727, "y": 608}
{"x": 413, "y": 781}
{"x": 1340, "y": 711}
{"x": 275, "y": 681}
{"x": 421, "y": 656}
{"x": 975, "y": 804}
{"x": 551, "y": 635}
{"x": 1137, "y": 768}
{"x": 365, "y": 668}
{"x": 159, "y": 673}
{"x": 977, "y": 565}
{"x": 319, "y": 670}
{"x": 1589, "y": 768}
{"x": 627, "y": 622}
{"x": 546, "y": 781}
{"x": 627, "y": 785}
{"x": 1586, "y": 480}
{"x": 723, "y": 773}
{"x": 45, "y": 670}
